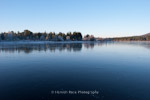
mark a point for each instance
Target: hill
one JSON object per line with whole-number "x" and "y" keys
{"x": 145, "y": 37}
{"x": 148, "y": 34}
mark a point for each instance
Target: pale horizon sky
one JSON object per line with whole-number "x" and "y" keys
{"x": 101, "y": 18}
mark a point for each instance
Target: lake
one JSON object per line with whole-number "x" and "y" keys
{"x": 75, "y": 71}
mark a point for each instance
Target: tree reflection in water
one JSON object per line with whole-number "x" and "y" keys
{"x": 28, "y": 48}
{"x": 70, "y": 47}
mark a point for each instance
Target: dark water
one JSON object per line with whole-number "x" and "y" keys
{"x": 117, "y": 71}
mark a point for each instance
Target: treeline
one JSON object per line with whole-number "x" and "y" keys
{"x": 52, "y": 36}
{"x": 134, "y": 38}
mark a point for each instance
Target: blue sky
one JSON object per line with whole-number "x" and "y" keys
{"x": 103, "y": 18}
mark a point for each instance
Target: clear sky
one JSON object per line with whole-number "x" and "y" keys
{"x": 103, "y": 18}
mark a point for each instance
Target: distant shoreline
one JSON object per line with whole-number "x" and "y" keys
{"x": 45, "y": 42}
{"x": 57, "y": 42}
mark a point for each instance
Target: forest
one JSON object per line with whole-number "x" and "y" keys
{"x": 52, "y": 36}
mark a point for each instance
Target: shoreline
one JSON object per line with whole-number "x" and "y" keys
{"x": 58, "y": 42}
{"x": 46, "y": 42}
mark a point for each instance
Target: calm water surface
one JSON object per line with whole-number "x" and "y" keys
{"x": 118, "y": 71}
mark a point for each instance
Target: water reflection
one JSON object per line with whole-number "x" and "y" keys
{"x": 89, "y": 45}
{"x": 70, "y": 47}
{"x": 145, "y": 44}
{"x": 28, "y": 48}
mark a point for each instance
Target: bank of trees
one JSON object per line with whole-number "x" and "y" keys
{"x": 52, "y": 36}
{"x": 134, "y": 38}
